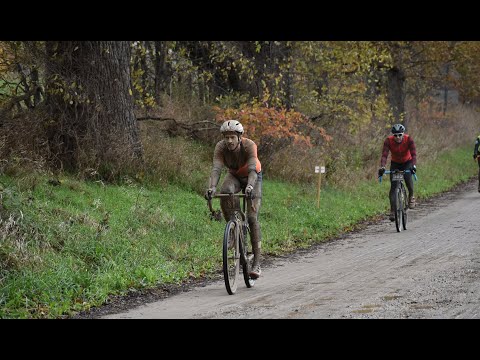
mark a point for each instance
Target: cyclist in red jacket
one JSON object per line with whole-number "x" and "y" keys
{"x": 404, "y": 157}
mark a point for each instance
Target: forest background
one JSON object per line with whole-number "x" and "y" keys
{"x": 80, "y": 119}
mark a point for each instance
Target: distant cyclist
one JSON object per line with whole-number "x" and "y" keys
{"x": 239, "y": 155}
{"x": 477, "y": 157}
{"x": 404, "y": 157}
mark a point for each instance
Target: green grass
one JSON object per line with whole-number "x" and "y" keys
{"x": 449, "y": 169}
{"x": 67, "y": 248}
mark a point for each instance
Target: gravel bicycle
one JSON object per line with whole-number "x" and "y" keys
{"x": 235, "y": 245}
{"x": 400, "y": 202}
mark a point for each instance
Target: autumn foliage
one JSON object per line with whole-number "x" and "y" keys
{"x": 262, "y": 122}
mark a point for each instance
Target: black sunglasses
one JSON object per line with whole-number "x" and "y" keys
{"x": 398, "y": 135}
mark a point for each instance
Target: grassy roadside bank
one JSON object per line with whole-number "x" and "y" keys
{"x": 66, "y": 248}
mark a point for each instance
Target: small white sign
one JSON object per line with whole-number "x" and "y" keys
{"x": 322, "y": 169}
{"x": 317, "y": 169}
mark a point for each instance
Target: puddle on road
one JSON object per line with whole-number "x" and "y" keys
{"x": 421, "y": 307}
{"x": 391, "y": 297}
{"x": 363, "y": 311}
{"x": 366, "y": 309}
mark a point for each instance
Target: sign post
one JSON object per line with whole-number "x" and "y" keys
{"x": 319, "y": 170}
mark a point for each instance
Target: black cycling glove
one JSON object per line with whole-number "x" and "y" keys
{"x": 381, "y": 171}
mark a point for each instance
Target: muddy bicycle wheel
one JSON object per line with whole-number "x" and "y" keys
{"x": 245, "y": 260}
{"x": 231, "y": 257}
{"x": 405, "y": 207}
{"x": 398, "y": 209}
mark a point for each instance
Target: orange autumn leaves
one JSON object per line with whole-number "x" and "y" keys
{"x": 262, "y": 121}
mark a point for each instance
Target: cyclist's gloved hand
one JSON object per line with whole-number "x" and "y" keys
{"x": 414, "y": 169}
{"x": 210, "y": 192}
{"x": 381, "y": 171}
{"x": 474, "y": 156}
{"x": 249, "y": 191}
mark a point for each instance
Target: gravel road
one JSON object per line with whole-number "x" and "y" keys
{"x": 430, "y": 270}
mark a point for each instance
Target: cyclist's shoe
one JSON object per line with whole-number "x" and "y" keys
{"x": 411, "y": 202}
{"x": 391, "y": 217}
{"x": 255, "y": 272}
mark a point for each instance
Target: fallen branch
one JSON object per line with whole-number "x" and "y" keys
{"x": 189, "y": 127}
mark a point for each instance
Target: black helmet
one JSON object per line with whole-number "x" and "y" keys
{"x": 398, "y": 129}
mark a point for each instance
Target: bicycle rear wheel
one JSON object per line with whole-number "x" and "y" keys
{"x": 398, "y": 209}
{"x": 245, "y": 261}
{"x": 231, "y": 257}
{"x": 405, "y": 207}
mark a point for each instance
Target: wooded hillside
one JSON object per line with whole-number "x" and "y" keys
{"x": 77, "y": 105}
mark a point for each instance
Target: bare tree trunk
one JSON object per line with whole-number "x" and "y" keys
{"x": 396, "y": 93}
{"x": 144, "y": 65}
{"x": 112, "y": 85}
{"x": 25, "y": 84}
{"x": 445, "y": 89}
{"x": 37, "y": 97}
{"x": 162, "y": 72}
{"x": 91, "y": 103}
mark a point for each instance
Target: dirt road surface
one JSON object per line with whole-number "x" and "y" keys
{"x": 431, "y": 270}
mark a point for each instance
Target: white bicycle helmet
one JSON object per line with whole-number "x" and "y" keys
{"x": 231, "y": 125}
{"x": 398, "y": 129}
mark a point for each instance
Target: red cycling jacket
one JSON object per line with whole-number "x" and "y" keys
{"x": 401, "y": 152}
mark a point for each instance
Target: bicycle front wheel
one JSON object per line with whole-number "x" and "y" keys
{"x": 405, "y": 207}
{"x": 398, "y": 209}
{"x": 231, "y": 257}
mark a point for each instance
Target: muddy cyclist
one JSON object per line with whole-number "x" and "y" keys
{"x": 239, "y": 155}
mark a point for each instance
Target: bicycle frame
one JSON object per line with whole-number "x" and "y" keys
{"x": 400, "y": 197}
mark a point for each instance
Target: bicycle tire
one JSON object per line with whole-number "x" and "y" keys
{"x": 231, "y": 257}
{"x": 398, "y": 209}
{"x": 405, "y": 208}
{"x": 245, "y": 262}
